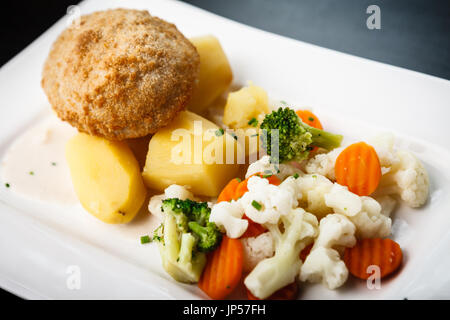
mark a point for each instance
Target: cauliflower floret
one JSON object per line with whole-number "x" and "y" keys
{"x": 227, "y": 216}
{"x": 264, "y": 166}
{"x": 343, "y": 201}
{"x": 384, "y": 147}
{"x": 180, "y": 192}
{"x": 370, "y": 222}
{"x": 335, "y": 230}
{"x": 172, "y": 191}
{"x": 364, "y": 212}
{"x": 257, "y": 249}
{"x": 324, "y": 265}
{"x": 408, "y": 178}
{"x": 264, "y": 202}
{"x": 154, "y": 205}
{"x": 295, "y": 230}
{"x": 313, "y": 188}
{"x": 323, "y": 163}
{"x": 387, "y": 204}
{"x": 290, "y": 184}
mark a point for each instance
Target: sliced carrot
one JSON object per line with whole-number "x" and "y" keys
{"x": 254, "y": 229}
{"x": 289, "y": 292}
{"x": 358, "y": 168}
{"x": 309, "y": 118}
{"x": 242, "y": 187}
{"x": 384, "y": 253}
{"x": 305, "y": 252}
{"x": 223, "y": 270}
{"x": 227, "y": 194}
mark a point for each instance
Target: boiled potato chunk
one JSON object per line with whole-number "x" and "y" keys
{"x": 244, "y": 105}
{"x": 106, "y": 178}
{"x": 215, "y": 73}
{"x": 178, "y": 156}
{"x": 249, "y": 104}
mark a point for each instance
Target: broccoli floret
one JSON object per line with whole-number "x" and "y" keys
{"x": 295, "y": 138}
{"x": 209, "y": 236}
{"x": 187, "y": 234}
{"x": 188, "y": 210}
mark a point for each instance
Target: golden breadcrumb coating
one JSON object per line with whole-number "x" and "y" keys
{"x": 120, "y": 74}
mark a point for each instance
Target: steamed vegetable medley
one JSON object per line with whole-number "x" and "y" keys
{"x": 314, "y": 211}
{"x": 309, "y": 208}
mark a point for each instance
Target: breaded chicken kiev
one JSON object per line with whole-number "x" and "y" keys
{"x": 120, "y": 74}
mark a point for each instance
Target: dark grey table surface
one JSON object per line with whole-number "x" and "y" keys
{"x": 414, "y": 34}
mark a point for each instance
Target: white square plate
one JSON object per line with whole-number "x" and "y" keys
{"x": 354, "y": 96}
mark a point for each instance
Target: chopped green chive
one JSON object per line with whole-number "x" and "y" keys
{"x": 234, "y": 135}
{"x": 253, "y": 122}
{"x": 7, "y": 185}
{"x": 296, "y": 176}
{"x": 254, "y": 135}
{"x": 283, "y": 102}
{"x": 256, "y": 205}
{"x": 54, "y": 164}
{"x": 31, "y": 173}
{"x": 219, "y": 132}
{"x": 145, "y": 239}
{"x": 267, "y": 174}
{"x": 310, "y": 118}
{"x": 314, "y": 176}
{"x": 238, "y": 180}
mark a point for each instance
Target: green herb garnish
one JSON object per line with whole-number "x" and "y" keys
{"x": 145, "y": 239}
{"x": 253, "y": 122}
{"x": 7, "y": 185}
{"x": 256, "y": 205}
{"x": 296, "y": 176}
{"x": 219, "y": 132}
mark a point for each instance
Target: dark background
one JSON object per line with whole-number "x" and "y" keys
{"x": 415, "y": 34}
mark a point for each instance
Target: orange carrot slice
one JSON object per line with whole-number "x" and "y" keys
{"x": 358, "y": 168}
{"x": 227, "y": 194}
{"x": 223, "y": 269}
{"x": 254, "y": 229}
{"x": 309, "y": 118}
{"x": 289, "y": 292}
{"x": 242, "y": 187}
{"x": 384, "y": 253}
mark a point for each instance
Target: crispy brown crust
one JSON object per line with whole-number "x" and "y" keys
{"x": 121, "y": 74}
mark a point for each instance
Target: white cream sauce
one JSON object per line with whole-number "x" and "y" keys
{"x": 35, "y": 165}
